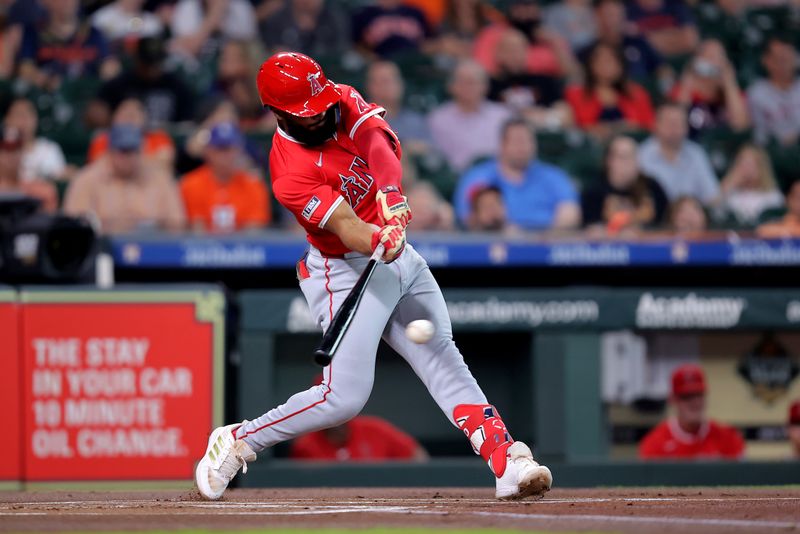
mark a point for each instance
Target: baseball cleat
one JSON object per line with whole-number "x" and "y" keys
{"x": 224, "y": 457}
{"x": 523, "y": 477}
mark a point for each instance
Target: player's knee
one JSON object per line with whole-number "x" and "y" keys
{"x": 347, "y": 404}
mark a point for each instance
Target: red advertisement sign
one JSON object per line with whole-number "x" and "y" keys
{"x": 116, "y": 391}
{"x": 11, "y": 414}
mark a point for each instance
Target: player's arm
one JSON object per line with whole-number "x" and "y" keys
{"x": 381, "y": 153}
{"x": 364, "y": 237}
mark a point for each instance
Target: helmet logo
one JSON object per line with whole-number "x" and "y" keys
{"x": 316, "y": 87}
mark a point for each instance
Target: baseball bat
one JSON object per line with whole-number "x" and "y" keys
{"x": 344, "y": 315}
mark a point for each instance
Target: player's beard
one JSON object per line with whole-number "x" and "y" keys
{"x": 318, "y": 135}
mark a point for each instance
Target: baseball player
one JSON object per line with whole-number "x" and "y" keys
{"x": 335, "y": 164}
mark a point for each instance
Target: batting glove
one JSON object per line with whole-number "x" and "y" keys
{"x": 393, "y": 238}
{"x": 393, "y": 207}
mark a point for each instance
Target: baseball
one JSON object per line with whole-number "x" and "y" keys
{"x": 420, "y": 331}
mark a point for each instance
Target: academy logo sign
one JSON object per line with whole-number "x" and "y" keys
{"x": 689, "y": 311}
{"x": 551, "y": 312}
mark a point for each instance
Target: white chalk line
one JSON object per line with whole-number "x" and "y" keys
{"x": 370, "y": 501}
{"x": 595, "y": 518}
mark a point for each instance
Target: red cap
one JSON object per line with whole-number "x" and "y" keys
{"x": 794, "y": 413}
{"x": 688, "y": 379}
{"x": 295, "y": 83}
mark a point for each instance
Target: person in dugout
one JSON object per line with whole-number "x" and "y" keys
{"x": 690, "y": 434}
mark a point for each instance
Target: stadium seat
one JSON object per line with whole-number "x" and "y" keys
{"x": 785, "y": 162}
{"x": 722, "y": 144}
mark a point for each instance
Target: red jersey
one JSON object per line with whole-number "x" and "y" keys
{"x": 714, "y": 440}
{"x": 311, "y": 181}
{"x": 371, "y": 439}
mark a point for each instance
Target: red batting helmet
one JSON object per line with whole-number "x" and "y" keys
{"x": 295, "y": 83}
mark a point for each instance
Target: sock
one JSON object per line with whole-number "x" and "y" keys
{"x": 486, "y": 433}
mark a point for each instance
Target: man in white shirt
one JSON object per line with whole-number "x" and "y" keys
{"x": 680, "y": 166}
{"x": 468, "y": 127}
{"x": 775, "y": 101}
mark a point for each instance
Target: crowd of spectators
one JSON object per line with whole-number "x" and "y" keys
{"x": 611, "y": 116}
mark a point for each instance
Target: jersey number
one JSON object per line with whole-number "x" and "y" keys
{"x": 356, "y": 186}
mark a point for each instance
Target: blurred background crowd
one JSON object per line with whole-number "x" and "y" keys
{"x": 608, "y": 117}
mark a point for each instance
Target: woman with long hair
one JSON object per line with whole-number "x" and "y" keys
{"x": 625, "y": 198}
{"x": 608, "y": 101}
{"x": 749, "y": 189}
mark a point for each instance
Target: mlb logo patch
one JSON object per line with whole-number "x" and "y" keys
{"x": 312, "y": 205}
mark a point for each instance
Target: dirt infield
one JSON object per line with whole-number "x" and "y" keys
{"x": 619, "y": 510}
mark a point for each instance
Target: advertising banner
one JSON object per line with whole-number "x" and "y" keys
{"x": 11, "y": 414}
{"x": 119, "y": 385}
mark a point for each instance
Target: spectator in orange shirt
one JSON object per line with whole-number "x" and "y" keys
{"x": 364, "y": 439}
{"x": 220, "y": 196}
{"x": 123, "y": 191}
{"x": 789, "y": 224}
{"x": 156, "y": 145}
{"x": 690, "y": 434}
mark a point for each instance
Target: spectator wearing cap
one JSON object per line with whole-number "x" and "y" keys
{"x": 538, "y": 196}
{"x": 157, "y": 145}
{"x": 62, "y": 46}
{"x": 793, "y": 428}
{"x": 164, "y": 95}
{"x": 774, "y": 101}
{"x": 41, "y": 158}
{"x": 11, "y": 173}
{"x": 667, "y": 25}
{"x": 487, "y": 211}
{"x": 220, "y": 196}
{"x": 467, "y": 127}
{"x": 690, "y": 434}
{"x": 680, "y": 166}
{"x": 123, "y": 191}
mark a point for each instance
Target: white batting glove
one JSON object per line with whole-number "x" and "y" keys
{"x": 393, "y": 207}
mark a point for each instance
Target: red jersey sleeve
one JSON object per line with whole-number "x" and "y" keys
{"x": 358, "y": 114}
{"x": 309, "y": 199}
